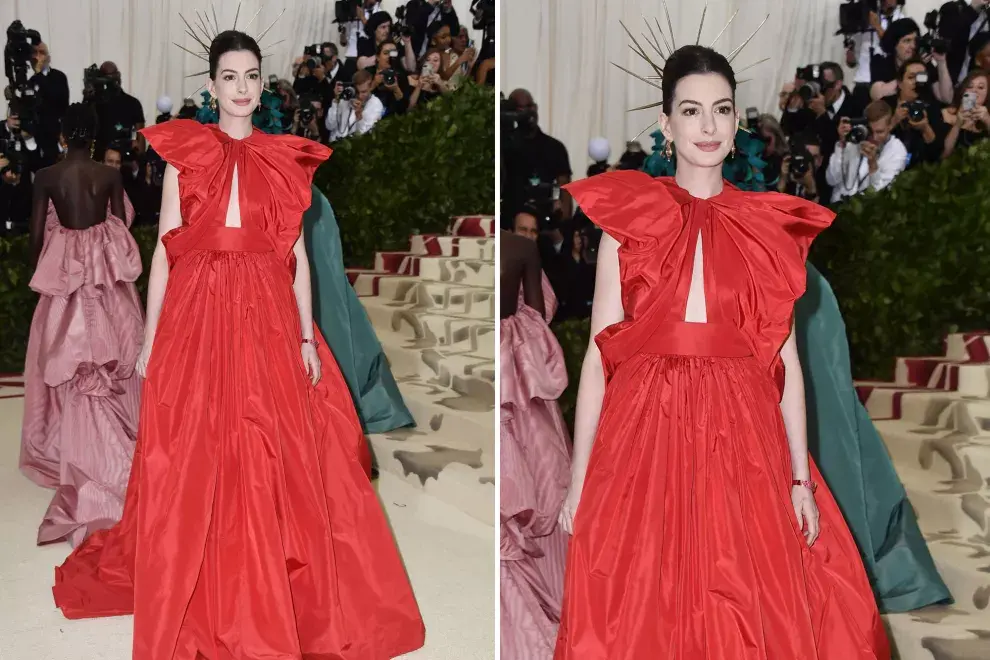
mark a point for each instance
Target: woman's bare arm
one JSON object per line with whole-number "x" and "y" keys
{"x": 303, "y": 288}
{"x": 792, "y": 408}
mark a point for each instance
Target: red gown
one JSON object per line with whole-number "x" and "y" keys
{"x": 685, "y": 543}
{"x": 250, "y": 528}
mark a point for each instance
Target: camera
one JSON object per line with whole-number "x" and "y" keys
{"x": 11, "y": 150}
{"x": 344, "y": 11}
{"x": 483, "y": 11}
{"x": 97, "y": 86}
{"x": 916, "y": 109}
{"x": 931, "y": 42}
{"x": 753, "y": 120}
{"x": 801, "y": 161}
{"x": 18, "y": 55}
{"x": 307, "y": 109}
{"x": 813, "y": 85}
{"x": 349, "y": 93}
{"x": 401, "y": 24}
{"x": 388, "y": 77}
{"x": 860, "y": 130}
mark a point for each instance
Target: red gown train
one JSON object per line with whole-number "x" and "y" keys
{"x": 250, "y": 527}
{"x": 686, "y": 544}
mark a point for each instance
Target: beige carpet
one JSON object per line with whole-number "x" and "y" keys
{"x": 450, "y": 557}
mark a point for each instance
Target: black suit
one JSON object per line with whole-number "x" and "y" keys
{"x": 15, "y": 200}
{"x": 52, "y": 87}
{"x": 956, "y": 27}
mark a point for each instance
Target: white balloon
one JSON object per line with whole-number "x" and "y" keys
{"x": 599, "y": 149}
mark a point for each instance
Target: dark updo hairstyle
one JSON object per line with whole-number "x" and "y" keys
{"x": 230, "y": 41}
{"x": 690, "y": 60}
{"x": 79, "y": 125}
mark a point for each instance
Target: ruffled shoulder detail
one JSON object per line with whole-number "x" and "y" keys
{"x": 185, "y": 144}
{"x": 800, "y": 219}
{"x": 309, "y": 155}
{"x": 294, "y": 160}
{"x": 631, "y": 206}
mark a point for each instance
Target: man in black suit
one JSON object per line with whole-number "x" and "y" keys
{"x": 834, "y": 103}
{"x": 52, "y": 88}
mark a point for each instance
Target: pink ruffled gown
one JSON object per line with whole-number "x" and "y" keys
{"x": 535, "y": 473}
{"x": 82, "y": 394}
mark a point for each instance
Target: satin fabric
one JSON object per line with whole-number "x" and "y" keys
{"x": 534, "y": 472}
{"x": 345, "y": 325}
{"x": 250, "y": 529}
{"x": 686, "y": 544}
{"x": 855, "y": 463}
{"x": 81, "y": 393}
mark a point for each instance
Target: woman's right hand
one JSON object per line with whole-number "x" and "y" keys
{"x": 569, "y": 509}
{"x": 142, "y": 362}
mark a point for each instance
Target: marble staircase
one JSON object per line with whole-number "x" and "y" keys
{"x": 935, "y": 421}
{"x": 433, "y": 309}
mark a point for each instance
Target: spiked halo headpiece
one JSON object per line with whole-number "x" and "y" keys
{"x": 206, "y": 28}
{"x": 664, "y": 48}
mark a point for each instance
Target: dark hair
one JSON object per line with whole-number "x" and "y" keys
{"x": 377, "y": 19}
{"x": 896, "y": 31}
{"x": 835, "y": 69}
{"x": 79, "y": 125}
{"x": 967, "y": 81}
{"x": 902, "y": 71}
{"x": 230, "y": 41}
{"x": 383, "y": 45}
{"x": 689, "y": 60}
{"x": 805, "y": 139}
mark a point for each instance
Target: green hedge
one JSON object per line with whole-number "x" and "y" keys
{"x": 912, "y": 263}
{"x": 412, "y": 173}
{"x": 573, "y": 335}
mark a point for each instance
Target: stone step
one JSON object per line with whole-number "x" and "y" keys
{"x": 454, "y": 270}
{"x": 453, "y": 246}
{"x": 945, "y": 454}
{"x": 968, "y": 378}
{"x": 948, "y": 506}
{"x": 940, "y": 632}
{"x": 444, "y": 368}
{"x": 430, "y": 330}
{"x": 454, "y": 299}
{"x": 968, "y": 347}
{"x": 933, "y": 408}
{"x": 963, "y": 566}
{"x": 472, "y": 225}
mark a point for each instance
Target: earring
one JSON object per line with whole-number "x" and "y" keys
{"x": 732, "y": 151}
{"x": 668, "y": 150}
{"x": 213, "y": 103}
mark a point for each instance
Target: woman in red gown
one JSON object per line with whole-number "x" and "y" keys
{"x": 250, "y": 529}
{"x": 698, "y": 532}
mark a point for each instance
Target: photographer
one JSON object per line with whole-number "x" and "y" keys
{"x": 389, "y": 82}
{"x": 484, "y": 20}
{"x": 917, "y": 118}
{"x": 961, "y": 22}
{"x": 52, "y": 88}
{"x": 351, "y": 31}
{"x": 20, "y": 157}
{"x": 379, "y": 28}
{"x": 429, "y": 84}
{"x": 865, "y": 43}
{"x": 799, "y": 169}
{"x": 309, "y": 120}
{"x": 968, "y": 116}
{"x": 867, "y": 156}
{"x": 900, "y": 44}
{"x": 769, "y": 130}
{"x": 536, "y": 166}
{"x": 114, "y": 108}
{"x": 355, "y": 110}
{"x": 459, "y": 59}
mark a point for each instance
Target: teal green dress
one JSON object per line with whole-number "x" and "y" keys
{"x": 345, "y": 326}
{"x": 855, "y": 463}
{"x": 841, "y": 437}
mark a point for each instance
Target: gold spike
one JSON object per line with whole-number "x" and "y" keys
{"x": 644, "y": 130}
{"x": 202, "y": 26}
{"x": 640, "y": 50}
{"x": 205, "y": 59}
{"x": 701, "y": 27}
{"x": 738, "y": 50}
{"x": 663, "y": 36}
{"x": 656, "y": 42}
{"x": 744, "y": 80}
{"x": 216, "y": 23}
{"x": 236, "y": 16}
{"x": 656, "y": 104}
{"x": 653, "y": 46}
{"x": 670, "y": 24}
{"x": 275, "y": 44}
{"x": 192, "y": 33}
{"x": 262, "y": 35}
{"x": 724, "y": 29}
{"x": 251, "y": 22}
{"x": 200, "y": 88}
{"x": 198, "y": 73}
{"x": 636, "y": 75}
{"x": 747, "y": 68}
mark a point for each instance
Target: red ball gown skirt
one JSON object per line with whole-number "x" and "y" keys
{"x": 250, "y": 527}
{"x": 686, "y": 544}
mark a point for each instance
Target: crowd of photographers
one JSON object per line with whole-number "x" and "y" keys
{"x": 383, "y": 65}
{"x": 917, "y": 95}
{"x": 378, "y": 66}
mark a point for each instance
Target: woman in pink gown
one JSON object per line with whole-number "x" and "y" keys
{"x": 82, "y": 394}
{"x": 534, "y": 458}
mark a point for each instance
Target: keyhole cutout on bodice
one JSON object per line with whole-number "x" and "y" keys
{"x": 233, "y": 218}
{"x": 696, "y": 310}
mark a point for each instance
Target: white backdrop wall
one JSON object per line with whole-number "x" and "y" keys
{"x": 560, "y": 50}
{"x": 138, "y": 36}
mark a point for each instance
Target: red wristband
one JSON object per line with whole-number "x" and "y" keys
{"x": 315, "y": 343}
{"x": 810, "y": 485}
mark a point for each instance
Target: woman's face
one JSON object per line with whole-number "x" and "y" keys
{"x": 385, "y": 56}
{"x": 442, "y": 38}
{"x": 907, "y": 47}
{"x": 703, "y": 120}
{"x": 978, "y": 86}
{"x": 238, "y": 83}
{"x": 433, "y": 59}
{"x": 382, "y": 32}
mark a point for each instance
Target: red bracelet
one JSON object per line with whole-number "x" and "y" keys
{"x": 315, "y": 343}
{"x": 810, "y": 485}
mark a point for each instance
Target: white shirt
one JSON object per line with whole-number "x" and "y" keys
{"x": 834, "y": 108}
{"x": 849, "y": 172}
{"x": 868, "y": 43}
{"x": 355, "y": 29}
{"x": 342, "y": 122}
